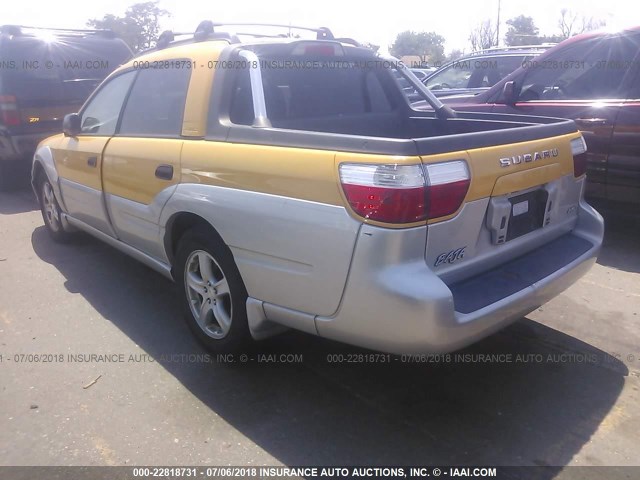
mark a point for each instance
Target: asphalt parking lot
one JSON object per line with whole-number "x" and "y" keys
{"x": 568, "y": 396}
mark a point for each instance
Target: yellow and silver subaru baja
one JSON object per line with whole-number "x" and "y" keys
{"x": 288, "y": 183}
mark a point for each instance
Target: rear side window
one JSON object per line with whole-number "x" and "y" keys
{"x": 155, "y": 106}
{"x": 100, "y": 116}
{"x": 241, "y": 112}
{"x": 592, "y": 69}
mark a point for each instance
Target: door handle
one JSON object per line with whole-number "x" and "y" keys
{"x": 592, "y": 122}
{"x": 92, "y": 161}
{"x": 164, "y": 172}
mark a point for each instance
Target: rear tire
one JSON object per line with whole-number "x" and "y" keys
{"x": 51, "y": 213}
{"x": 211, "y": 291}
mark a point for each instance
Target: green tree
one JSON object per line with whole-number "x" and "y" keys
{"x": 522, "y": 31}
{"x": 139, "y": 26}
{"x": 429, "y": 46}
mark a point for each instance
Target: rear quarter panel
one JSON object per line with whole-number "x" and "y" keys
{"x": 280, "y": 212}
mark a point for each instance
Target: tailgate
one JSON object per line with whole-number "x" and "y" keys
{"x": 521, "y": 196}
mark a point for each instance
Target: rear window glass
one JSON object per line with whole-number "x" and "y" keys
{"x": 333, "y": 89}
{"x": 310, "y": 88}
{"x": 61, "y": 71}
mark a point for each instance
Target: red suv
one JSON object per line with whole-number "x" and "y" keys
{"x": 593, "y": 79}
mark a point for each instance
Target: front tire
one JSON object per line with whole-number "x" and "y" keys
{"x": 211, "y": 291}
{"x": 51, "y": 213}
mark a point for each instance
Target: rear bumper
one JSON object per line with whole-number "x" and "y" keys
{"x": 395, "y": 303}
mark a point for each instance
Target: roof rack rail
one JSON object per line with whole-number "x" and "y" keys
{"x": 541, "y": 46}
{"x": 16, "y": 30}
{"x": 206, "y": 30}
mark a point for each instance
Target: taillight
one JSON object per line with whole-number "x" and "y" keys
{"x": 9, "y": 113}
{"x": 579, "y": 152}
{"x": 405, "y": 193}
{"x": 385, "y": 193}
{"x": 448, "y": 184}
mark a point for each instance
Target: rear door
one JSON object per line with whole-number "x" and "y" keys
{"x": 79, "y": 159}
{"x": 587, "y": 82}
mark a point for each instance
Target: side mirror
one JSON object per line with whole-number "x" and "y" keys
{"x": 71, "y": 125}
{"x": 509, "y": 93}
